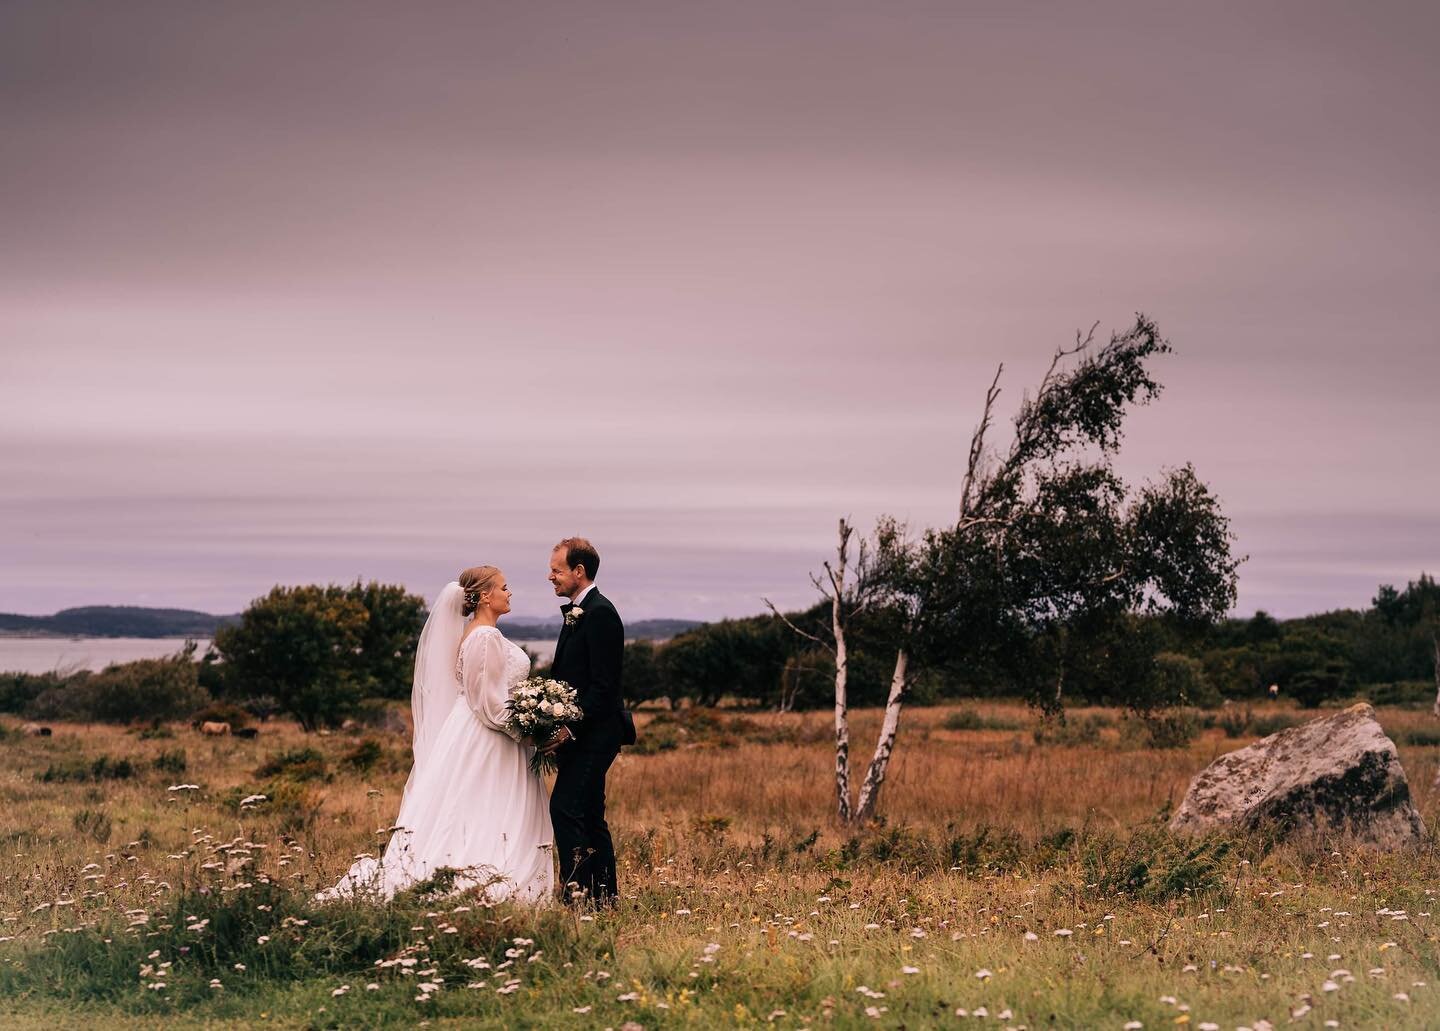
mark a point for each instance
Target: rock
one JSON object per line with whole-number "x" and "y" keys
{"x": 1337, "y": 774}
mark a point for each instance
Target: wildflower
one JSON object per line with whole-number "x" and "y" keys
{"x": 1064, "y": 932}
{"x": 1133, "y": 1025}
{"x": 336, "y": 993}
{"x": 983, "y": 974}
{"x": 909, "y": 970}
{"x": 581, "y": 1009}
{"x": 627, "y": 997}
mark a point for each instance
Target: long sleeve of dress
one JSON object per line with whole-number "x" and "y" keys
{"x": 485, "y": 686}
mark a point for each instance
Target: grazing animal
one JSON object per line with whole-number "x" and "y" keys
{"x": 35, "y": 730}
{"x": 246, "y": 732}
{"x": 214, "y": 729}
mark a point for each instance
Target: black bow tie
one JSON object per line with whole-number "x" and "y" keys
{"x": 567, "y": 607}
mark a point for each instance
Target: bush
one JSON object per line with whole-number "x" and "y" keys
{"x": 1411, "y": 693}
{"x": 364, "y": 756}
{"x": 1236, "y": 720}
{"x": 101, "y": 768}
{"x": 1172, "y": 728}
{"x": 18, "y": 691}
{"x": 1313, "y": 687}
{"x": 148, "y": 689}
{"x": 1083, "y": 730}
{"x": 221, "y": 712}
{"x": 1154, "y": 867}
{"x": 298, "y": 764}
{"x": 971, "y": 719}
{"x": 1264, "y": 726}
{"x": 170, "y": 762}
{"x": 1426, "y": 737}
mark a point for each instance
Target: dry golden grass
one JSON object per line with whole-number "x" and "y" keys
{"x": 729, "y": 842}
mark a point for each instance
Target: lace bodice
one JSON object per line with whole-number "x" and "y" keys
{"x": 486, "y": 669}
{"x": 517, "y": 661}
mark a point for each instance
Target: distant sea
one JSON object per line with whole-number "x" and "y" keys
{"x": 43, "y": 654}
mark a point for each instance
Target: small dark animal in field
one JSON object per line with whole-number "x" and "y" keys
{"x": 35, "y": 730}
{"x": 214, "y": 729}
{"x": 1274, "y": 691}
{"x": 246, "y": 732}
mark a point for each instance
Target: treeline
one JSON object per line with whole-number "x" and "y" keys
{"x": 1387, "y": 652}
{"x": 320, "y": 654}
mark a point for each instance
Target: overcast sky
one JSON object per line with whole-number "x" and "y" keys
{"x": 305, "y": 292}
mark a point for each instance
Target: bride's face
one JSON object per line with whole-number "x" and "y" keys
{"x": 498, "y": 597}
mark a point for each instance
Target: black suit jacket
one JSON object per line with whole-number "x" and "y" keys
{"x": 589, "y": 656}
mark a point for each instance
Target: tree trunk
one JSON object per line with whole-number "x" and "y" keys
{"x": 842, "y": 716}
{"x": 1435, "y": 640}
{"x": 875, "y": 775}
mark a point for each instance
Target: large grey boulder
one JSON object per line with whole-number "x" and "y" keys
{"x": 1336, "y": 775}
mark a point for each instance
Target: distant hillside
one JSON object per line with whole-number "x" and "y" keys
{"x": 117, "y": 621}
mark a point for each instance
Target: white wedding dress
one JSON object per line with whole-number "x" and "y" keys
{"x": 471, "y": 803}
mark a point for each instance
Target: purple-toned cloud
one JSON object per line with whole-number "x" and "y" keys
{"x": 309, "y": 293}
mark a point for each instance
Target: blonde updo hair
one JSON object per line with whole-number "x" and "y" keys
{"x": 475, "y": 581}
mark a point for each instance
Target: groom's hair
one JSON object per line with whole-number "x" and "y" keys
{"x": 580, "y": 552}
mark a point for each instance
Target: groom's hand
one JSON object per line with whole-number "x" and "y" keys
{"x": 556, "y": 740}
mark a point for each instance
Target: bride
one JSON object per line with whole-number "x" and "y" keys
{"x": 471, "y": 802}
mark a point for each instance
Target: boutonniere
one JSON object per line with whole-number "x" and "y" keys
{"x": 573, "y": 616}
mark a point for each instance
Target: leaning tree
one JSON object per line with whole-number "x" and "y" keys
{"x": 1048, "y": 541}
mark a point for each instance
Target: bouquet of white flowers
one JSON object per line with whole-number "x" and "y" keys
{"x": 536, "y": 709}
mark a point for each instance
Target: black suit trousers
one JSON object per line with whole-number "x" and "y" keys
{"x": 577, "y": 811}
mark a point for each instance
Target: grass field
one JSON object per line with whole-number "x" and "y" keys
{"x": 1015, "y": 883}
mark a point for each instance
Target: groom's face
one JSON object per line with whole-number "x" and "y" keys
{"x": 562, "y": 578}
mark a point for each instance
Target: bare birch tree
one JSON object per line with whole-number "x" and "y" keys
{"x": 1043, "y": 535}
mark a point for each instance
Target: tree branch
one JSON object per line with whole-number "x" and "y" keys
{"x": 782, "y": 618}
{"x": 977, "y": 442}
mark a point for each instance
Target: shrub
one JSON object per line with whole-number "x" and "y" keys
{"x": 18, "y": 691}
{"x": 1404, "y": 692}
{"x": 1313, "y": 687}
{"x": 298, "y": 764}
{"x": 364, "y": 756}
{"x": 221, "y": 712}
{"x": 101, "y": 768}
{"x": 1083, "y": 730}
{"x": 148, "y": 689}
{"x": 1155, "y": 867}
{"x": 971, "y": 719}
{"x": 1273, "y": 723}
{"x": 1426, "y": 737}
{"x": 1236, "y": 720}
{"x": 652, "y": 739}
{"x": 1173, "y": 729}
{"x": 170, "y": 762}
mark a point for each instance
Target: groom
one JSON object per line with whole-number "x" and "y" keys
{"x": 588, "y": 657}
